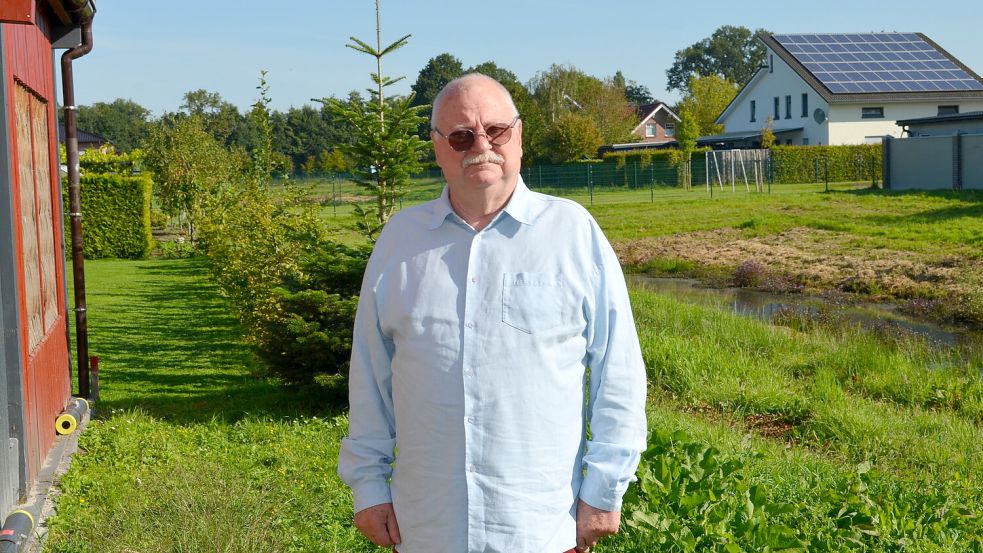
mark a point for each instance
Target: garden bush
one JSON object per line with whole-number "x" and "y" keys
{"x": 312, "y": 333}
{"x": 116, "y": 211}
{"x": 294, "y": 291}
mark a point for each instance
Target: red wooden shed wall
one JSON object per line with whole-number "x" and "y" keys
{"x": 29, "y": 77}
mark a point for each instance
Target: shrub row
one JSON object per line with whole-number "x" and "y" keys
{"x": 116, "y": 215}
{"x": 797, "y": 164}
{"x": 108, "y": 161}
{"x": 294, "y": 291}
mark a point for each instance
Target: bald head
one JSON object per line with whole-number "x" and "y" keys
{"x": 465, "y": 82}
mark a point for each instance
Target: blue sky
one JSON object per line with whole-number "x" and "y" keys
{"x": 154, "y": 52}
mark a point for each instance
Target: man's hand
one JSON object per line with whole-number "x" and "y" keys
{"x": 593, "y": 524}
{"x": 378, "y": 523}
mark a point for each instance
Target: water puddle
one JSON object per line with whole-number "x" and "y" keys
{"x": 766, "y": 305}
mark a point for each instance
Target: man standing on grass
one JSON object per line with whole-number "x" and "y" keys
{"x": 493, "y": 330}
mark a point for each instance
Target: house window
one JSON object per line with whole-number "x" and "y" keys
{"x": 753, "y": 109}
{"x": 805, "y": 104}
{"x": 650, "y": 129}
{"x": 872, "y": 113}
{"x": 771, "y": 63}
{"x": 778, "y": 114}
{"x": 949, "y": 110}
{"x": 670, "y": 129}
{"x": 805, "y": 141}
{"x": 788, "y": 106}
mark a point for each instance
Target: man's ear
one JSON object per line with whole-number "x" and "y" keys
{"x": 518, "y": 135}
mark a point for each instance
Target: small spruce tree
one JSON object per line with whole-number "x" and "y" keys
{"x": 386, "y": 149}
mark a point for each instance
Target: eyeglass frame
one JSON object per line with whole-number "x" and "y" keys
{"x": 474, "y": 135}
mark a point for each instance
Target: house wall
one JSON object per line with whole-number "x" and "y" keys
{"x": 846, "y": 126}
{"x": 780, "y": 82}
{"x": 43, "y": 384}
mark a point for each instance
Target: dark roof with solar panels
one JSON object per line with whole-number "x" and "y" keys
{"x": 868, "y": 66}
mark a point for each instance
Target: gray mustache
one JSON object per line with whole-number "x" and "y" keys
{"x": 485, "y": 157}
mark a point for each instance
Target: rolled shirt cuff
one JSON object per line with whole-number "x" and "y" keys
{"x": 596, "y": 494}
{"x": 370, "y": 494}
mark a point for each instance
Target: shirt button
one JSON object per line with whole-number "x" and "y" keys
{"x": 472, "y": 468}
{"x": 469, "y": 372}
{"x": 470, "y": 420}
{"x": 470, "y": 324}
{"x": 474, "y": 279}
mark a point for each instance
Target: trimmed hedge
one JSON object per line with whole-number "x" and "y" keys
{"x": 645, "y": 157}
{"x": 115, "y": 215}
{"x": 798, "y": 164}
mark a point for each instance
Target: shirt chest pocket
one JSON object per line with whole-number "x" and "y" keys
{"x": 533, "y": 302}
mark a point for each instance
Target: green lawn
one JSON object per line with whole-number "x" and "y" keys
{"x": 190, "y": 449}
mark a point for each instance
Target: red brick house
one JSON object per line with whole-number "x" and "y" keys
{"x": 657, "y": 124}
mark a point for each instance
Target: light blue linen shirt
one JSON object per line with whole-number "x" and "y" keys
{"x": 469, "y": 377}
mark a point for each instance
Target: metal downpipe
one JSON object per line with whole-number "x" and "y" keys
{"x": 75, "y": 205}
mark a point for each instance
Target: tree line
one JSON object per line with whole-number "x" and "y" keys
{"x": 568, "y": 114}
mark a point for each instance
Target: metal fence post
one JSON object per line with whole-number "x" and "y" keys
{"x": 590, "y": 185}
{"x": 826, "y": 170}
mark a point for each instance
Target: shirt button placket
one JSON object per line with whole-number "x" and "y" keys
{"x": 472, "y": 304}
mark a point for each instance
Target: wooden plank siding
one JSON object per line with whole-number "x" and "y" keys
{"x": 46, "y": 386}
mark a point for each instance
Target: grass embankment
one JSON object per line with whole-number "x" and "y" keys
{"x": 191, "y": 451}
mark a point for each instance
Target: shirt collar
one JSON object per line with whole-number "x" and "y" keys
{"x": 521, "y": 206}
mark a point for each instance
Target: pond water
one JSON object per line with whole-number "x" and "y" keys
{"x": 765, "y": 305}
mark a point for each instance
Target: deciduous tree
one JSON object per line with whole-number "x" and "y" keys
{"x": 189, "y": 165}
{"x": 732, "y": 53}
{"x": 565, "y": 90}
{"x": 220, "y": 118}
{"x": 439, "y": 71}
{"x": 124, "y": 122}
{"x": 707, "y": 98}
{"x": 573, "y": 136}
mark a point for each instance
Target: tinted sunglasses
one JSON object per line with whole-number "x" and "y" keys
{"x": 462, "y": 140}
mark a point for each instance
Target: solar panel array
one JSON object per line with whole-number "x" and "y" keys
{"x": 877, "y": 62}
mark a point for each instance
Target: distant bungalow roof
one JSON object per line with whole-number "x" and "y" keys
{"x": 631, "y": 146}
{"x": 738, "y": 136}
{"x": 83, "y": 136}
{"x": 968, "y": 116}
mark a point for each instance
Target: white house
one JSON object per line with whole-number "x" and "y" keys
{"x": 846, "y": 89}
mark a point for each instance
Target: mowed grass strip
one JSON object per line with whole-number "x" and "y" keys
{"x": 190, "y": 449}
